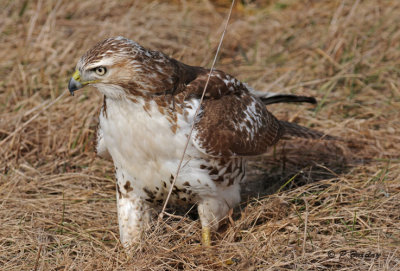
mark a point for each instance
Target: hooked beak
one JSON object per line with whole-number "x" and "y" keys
{"x": 75, "y": 82}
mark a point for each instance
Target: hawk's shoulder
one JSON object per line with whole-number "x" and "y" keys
{"x": 232, "y": 121}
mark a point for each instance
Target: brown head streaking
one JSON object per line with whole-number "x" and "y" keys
{"x": 149, "y": 105}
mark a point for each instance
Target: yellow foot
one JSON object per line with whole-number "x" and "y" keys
{"x": 206, "y": 236}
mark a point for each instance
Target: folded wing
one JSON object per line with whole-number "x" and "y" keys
{"x": 232, "y": 121}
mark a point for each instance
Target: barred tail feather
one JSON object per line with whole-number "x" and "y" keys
{"x": 294, "y": 130}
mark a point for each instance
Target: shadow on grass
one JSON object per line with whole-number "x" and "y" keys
{"x": 295, "y": 163}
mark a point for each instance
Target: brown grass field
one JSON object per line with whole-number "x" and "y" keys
{"x": 308, "y": 205}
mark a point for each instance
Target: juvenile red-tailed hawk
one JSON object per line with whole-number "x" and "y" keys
{"x": 149, "y": 104}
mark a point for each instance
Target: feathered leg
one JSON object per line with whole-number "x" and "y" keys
{"x": 212, "y": 210}
{"x": 133, "y": 211}
{"x": 133, "y": 217}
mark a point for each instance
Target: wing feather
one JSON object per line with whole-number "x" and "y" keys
{"x": 232, "y": 121}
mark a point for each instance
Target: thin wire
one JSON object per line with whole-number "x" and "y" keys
{"x": 197, "y": 112}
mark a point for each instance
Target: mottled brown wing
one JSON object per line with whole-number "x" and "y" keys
{"x": 232, "y": 122}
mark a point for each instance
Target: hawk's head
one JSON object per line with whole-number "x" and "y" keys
{"x": 119, "y": 67}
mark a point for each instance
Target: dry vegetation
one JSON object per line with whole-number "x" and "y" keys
{"x": 57, "y": 200}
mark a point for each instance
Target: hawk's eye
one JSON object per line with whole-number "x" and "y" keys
{"x": 100, "y": 70}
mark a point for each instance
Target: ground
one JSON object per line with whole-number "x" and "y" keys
{"x": 309, "y": 205}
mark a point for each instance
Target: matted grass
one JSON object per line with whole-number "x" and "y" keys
{"x": 321, "y": 205}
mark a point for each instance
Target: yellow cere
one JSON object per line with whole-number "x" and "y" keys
{"x": 77, "y": 76}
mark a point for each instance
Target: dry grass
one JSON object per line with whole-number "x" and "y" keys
{"x": 57, "y": 200}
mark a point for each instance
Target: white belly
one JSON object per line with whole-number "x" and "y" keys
{"x": 145, "y": 150}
